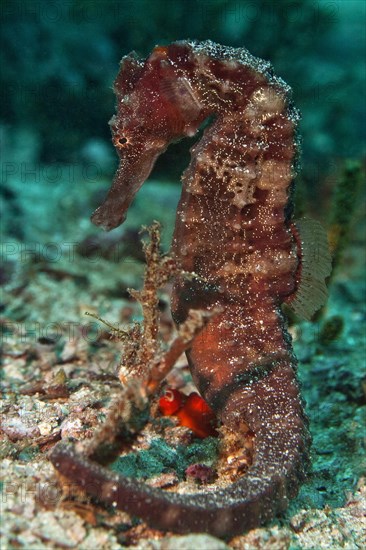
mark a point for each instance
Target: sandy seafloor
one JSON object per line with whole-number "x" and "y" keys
{"x": 59, "y": 371}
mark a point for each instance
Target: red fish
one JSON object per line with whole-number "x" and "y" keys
{"x": 192, "y": 411}
{"x": 171, "y": 402}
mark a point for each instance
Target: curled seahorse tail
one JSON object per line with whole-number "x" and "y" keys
{"x": 275, "y": 476}
{"x": 282, "y": 439}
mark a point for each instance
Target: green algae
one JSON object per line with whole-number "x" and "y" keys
{"x": 163, "y": 458}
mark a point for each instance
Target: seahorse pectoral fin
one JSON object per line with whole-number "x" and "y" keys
{"x": 315, "y": 265}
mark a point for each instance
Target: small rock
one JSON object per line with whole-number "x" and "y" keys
{"x": 15, "y": 428}
{"x": 71, "y": 427}
{"x": 201, "y": 473}
{"x": 164, "y": 480}
{"x": 65, "y": 529}
{"x": 45, "y": 428}
{"x": 198, "y": 542}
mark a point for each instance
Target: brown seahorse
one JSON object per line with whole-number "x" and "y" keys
{"x": 235, "y": 235}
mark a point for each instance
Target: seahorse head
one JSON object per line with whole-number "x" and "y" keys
{"x": 155, "y": 106}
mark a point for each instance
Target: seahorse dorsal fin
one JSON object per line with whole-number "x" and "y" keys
{"x": 315, "y": 267}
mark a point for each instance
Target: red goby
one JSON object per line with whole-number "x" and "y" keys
{"x": 191, "y": 411}
{"x": 234, "y": 233}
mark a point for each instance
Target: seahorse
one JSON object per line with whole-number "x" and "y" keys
{"x": 235, "y": 235}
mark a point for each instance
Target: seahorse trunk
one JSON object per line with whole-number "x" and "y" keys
{"x": 233, "y": 232}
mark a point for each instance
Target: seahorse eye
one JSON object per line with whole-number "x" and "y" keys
{"x": 120, "y": 141}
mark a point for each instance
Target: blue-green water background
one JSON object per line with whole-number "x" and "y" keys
{"x": 59, "y": 60}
